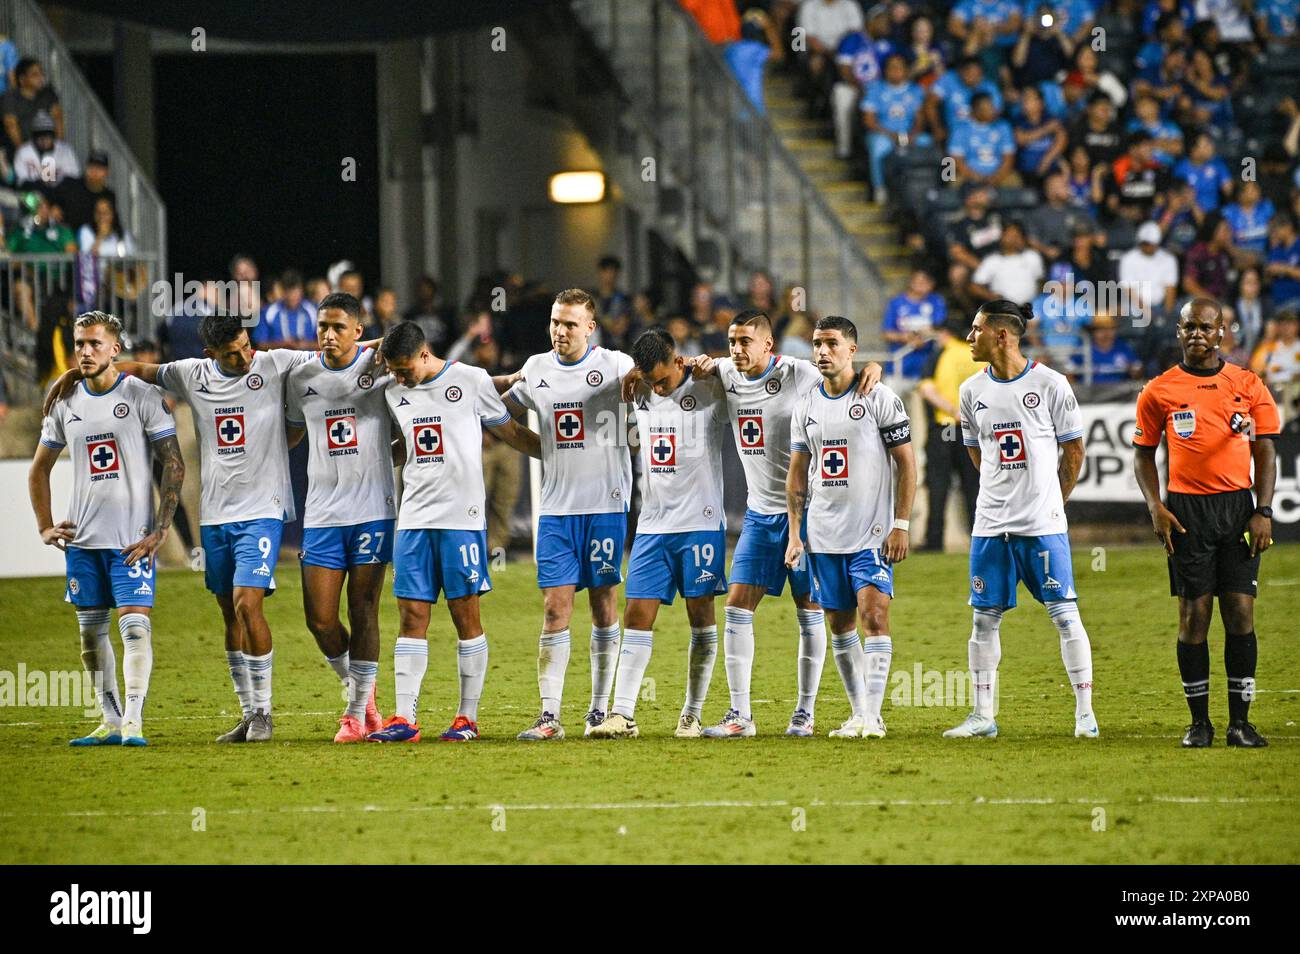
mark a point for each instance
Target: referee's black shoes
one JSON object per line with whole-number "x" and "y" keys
{"x": 1243, "y": 735}
{"x": 1200, "y": 735}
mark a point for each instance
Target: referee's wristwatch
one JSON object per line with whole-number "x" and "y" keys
{"x": 1265, "y": 512}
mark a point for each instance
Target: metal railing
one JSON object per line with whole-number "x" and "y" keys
{"x": 746, "y": 192}
{"x": 87, "y": 125}
{"x": 41, "y": 292}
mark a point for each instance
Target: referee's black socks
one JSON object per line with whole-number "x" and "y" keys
{"x": 1194, "y": 665}
{"x": 1239, "y": 655}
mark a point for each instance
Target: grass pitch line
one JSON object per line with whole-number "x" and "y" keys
{"x": 665, "y": 806}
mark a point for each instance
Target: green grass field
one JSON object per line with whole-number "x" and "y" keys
{"x": 1035, "y": 794}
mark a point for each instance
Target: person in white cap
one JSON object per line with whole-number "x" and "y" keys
{"x": 1150, "y": 274}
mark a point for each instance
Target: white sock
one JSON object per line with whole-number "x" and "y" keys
{"x": 847, "y": 649}
{"x": 137, "y": 661}
{"x": 604, "y": 664}
{"x": 633, "y": 659}
{"x": 471, "y": 664}
{"x": 738, "y": 647}
{"x": 340, "y": 665}
{"x": 360, "y": 683}
{"x": 812, "y": 656}
{"x": 1076, "y": 651}
{"x": 99, "y": 660}
{"x": 699, "y": 668}
{"x": 239, "y": 678}
{"x": 259, "y": 681}
{"x": 984, "y": 652}
{"x": 878, "y": 651}
{"x": 410, "y": 660}
{"x": 552, "y": 661}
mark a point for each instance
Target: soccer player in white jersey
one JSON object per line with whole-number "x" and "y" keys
{"x": 762, "y": 389}
{"x": 337, "y": 402}
{"x": 441, "y": 409}
{"x": 576, "y": 391}
{"x": 236, "y": 396}
{"x": 843, "y": 448}
{"x": 1023, "y": 429}
{"x": 112, "y": 426}
{"x": 681, "y": 534}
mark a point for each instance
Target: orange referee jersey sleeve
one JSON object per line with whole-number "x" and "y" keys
{"x": 1208, "y": 421}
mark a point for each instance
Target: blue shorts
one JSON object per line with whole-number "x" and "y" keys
{"x": 583, "y": 550}
{"x": 100, "y": 578}
{"x": 665, "y": 564}
{"x": 338, "y": 548}
{"x": 759, "y": 559}
{"x": 997, "y": 564}
{"x": 453, "y": 562}
{"x": 837, "y": 577}
{"x": 241, "y": 554}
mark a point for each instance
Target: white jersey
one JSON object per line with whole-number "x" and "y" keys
{"x": 240, "y": 424}
{"x": 681, "y": 457}
{"x": 442, "y": 422}
{"x": 1017, "y": 426}
{"x": 108, "y": 436}
{"x": 851, "y": 480}
{"x": 349, "y": 430}
{"x": 760, "y": 409}
{"x": 585, "y": 463}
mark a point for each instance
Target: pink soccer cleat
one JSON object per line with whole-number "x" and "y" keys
{"x": 350, "y": 730}
{"x": 374, "y": 721}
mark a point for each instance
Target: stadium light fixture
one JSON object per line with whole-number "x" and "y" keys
{"x": 575, "y": 188}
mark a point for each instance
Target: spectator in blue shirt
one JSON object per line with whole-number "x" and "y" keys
{"x": 892, "y": 113}
{"x": 1113, "y": 360}
{"x": 1060, "y": 314}
{"x": 1210, "y": 94}
{"x": 1205, "y": 172}
{"x": 748, "y": 58}
{"x": 289, "y": 322}
{"x": 1276, "y": 20}
{"x": 1168, "y": 33}
{"x": 1074, "y": 18}
{"x": 1284, "y": 263}
{"x": 1249, "y": 217}
{"x": 984, "y": 147}
{"x": 1168, "y": 137}
{"x": 8, "y": 60}
{"x": 1043, "y": 48}
{"x": 985, "y": 23}
{"x": 910, "y": 321}
{"x": 1040, "y": 138}
{"x": 1157, "y": 9}
{"x": 954, "y": 90}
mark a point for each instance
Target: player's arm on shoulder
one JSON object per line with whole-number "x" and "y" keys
{"x": 519, "y": 437}
{"x": 702, "y": 366}
{"x": 796, "y": 501}
{"x": 38, "y": 489}
{"x": 868, "y": 377}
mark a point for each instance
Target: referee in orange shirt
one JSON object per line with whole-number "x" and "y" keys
{"x": 1218, "y": 420}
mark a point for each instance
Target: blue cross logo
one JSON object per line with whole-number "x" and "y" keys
{"x": 1010, "y": 445}
{"x": 230, "y": 430}
{"x": 751, "y": 432}
{"x": 428, "y": 440}
{"x": 834, "y": 462}
{"x": 569, "y": 425}
{"x": 103, "y": 457}
{"x": 663, "y": 450}
{"x": 342, "y": 432}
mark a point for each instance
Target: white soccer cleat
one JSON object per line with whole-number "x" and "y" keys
{"x": 873, "y": 727}
{"x": 975, "y": 726}
{"x": 1085, "y": 726}
{"x": 133, "y": 735}
{"x": 732, "y": 726}
{"x": 850, "y": 729}
{"x": 689, "y": 727}
{"x": 593, "y": 718}
{"x": 616, "y": 726}
{"x": 546, "y": 728}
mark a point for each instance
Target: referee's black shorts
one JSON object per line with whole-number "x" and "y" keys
{"x": 1213, "y": 555}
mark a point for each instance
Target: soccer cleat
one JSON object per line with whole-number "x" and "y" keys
{"x": 374, "y": 721}
{"x": 350, "y": 730}
{"x": 732, "y": 726}
{"x": 688, "y": 727}
{"x": 132, "y": 735}
{"x": 396, "y": 729}
{"x": 617, "y": 726}
{"x": 593, "y": 718}
{"x": 873, "y": 727}
{"x": 104, "y": 734}
{"x": 1243, "y": 735}
{"x": 975, "y": 726}
{"x": 849, "y": 729}
{"x": 1200, "y": 735}
{"x": 1085, "y": 726}
{"x": 801, "y": 724}
{"x": 461, "y": 730}
{"x": 259, "y": 727}
{"x": 546, "y": 727}
{"x": 238, "y": 734}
